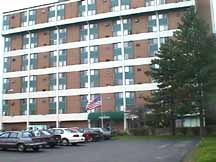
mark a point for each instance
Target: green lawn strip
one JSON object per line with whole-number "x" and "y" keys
{"x": 206, "y": 150}
{"x": 128, "y": 138}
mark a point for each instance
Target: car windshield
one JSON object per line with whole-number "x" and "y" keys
{"x": 46, "y": 133}
{"x": 105, "y": 129}
{"x": 69, "y": 131}
{"x": 27, "y": 135}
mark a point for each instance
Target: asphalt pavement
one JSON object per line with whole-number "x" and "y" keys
{"x": 107, "y": 151}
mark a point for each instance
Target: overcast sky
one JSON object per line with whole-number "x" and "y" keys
{"x": 8, "y": 5}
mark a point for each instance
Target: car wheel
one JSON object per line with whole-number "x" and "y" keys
{"x": 90, "y": 139}
{"x": 65, "y": 142}
{"x": 21, "y": 147}
{"x": 4, "y": 149}
{"x": 35, "y": 148}
{"x": 52, "y": 145}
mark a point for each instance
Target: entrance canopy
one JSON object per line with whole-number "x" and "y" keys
{"x": 106, "y": 115}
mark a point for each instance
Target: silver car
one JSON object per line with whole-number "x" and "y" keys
{"x": 20, "y": 141}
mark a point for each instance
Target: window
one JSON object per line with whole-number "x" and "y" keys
{"x": 83, "y": 79}
{"x": 27, "y": 135}
{"x": 91, "y": 7}
{"x": 130, "y": 98}
{"x": 7, "y": 44}
{"x": 6, "y": 23}
{"x": 119, "y": 101}
{"x": 53, "y": 37}
{"x": 4, "y": 135}
{"x": 149, "y": 3}
{"x": 32, "y": 106}
{"x": 33, "y": 61}
{"x": 5, "y": 108}
{"x": 32, "y": 17}
{"x": 6, "y": 85}
{"x": 51, "y": 14}
{"x": 87, "y": 8}
{"x": 62, "y": 57}
{"x": 163, "y": 22}
{"x": 83, "y": 102}
{"x": 62, "y": 35}
{"x": 83, "y": 8}
{"x": 125, "y": 4}
{"x": 24, "y": 65}
{"x": 26, "y": 41}
{"x": 52, "y": 82}
{"x": 60, "y": 12}
{"x": 84, "y": 32}
{"x": 62, "y": 81}
{"x": 129, "y": 75}
{"x": 62, "y": 105}
{"x": 118, "y": 76}
{"x": 93, "y": 31}
{"x": 94, "y": 54}
{"x": 13, "y": 135}
{"x": 53, "y": 58}
{"x": 153, "y": 47}
{"x": 84, "y": 55}
{"x": 127, "y": 26}
{"x": 33, "y": 40}
{"x": 117, "y": 28}
{"x": 24, "y": 84}
{"x": 115, "y": 5}
{"x": 159, "y": 2}
{"x": 94, "y": 77}
{"x": 24, "y": 19}
{"x": 152, "y": 23}
{"x": 128, "y": 50}
{"x": 117, "y": 52}
{"x": 32, "y": 83}
{"x": 7, "y": 64}
{"x": 30, "y": 40}
{"x": 23, "y": 106}
{"x": 52, "y": 105}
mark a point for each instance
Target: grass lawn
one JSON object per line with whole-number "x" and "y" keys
{"x": 127, "y": 137}
{"x": 206, "y": 150}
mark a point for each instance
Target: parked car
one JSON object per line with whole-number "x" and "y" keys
{"x": 56, "y": 136}
{"x": 51, "y": 140}
{"x": 91, "y": 134}
{"x": 68, "y": 136}
{"x": 106, "y": 132}
{"x": 20, "y": 140}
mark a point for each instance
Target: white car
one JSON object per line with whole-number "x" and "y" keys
{"x": 69, "y": 136}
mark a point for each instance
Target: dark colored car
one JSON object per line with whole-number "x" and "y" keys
{"x": 55, "y": 136}
{"x": 50, "y": 139}
{"x": 20, "y": 140}
{"x": 91, "y": 135}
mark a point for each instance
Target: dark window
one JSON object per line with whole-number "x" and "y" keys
{"x": 4, "y": 135}
{"x": 27, "y": 135}
{"x": 58, "y": 131}
{"x": 13, "y": 135}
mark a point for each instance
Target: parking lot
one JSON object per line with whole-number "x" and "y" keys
{"x": 107, "y": 151}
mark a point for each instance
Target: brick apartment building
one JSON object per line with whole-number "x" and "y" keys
{"x": 56, "y": 56}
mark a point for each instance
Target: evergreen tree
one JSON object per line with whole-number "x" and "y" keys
{"x": 186, "y": 73}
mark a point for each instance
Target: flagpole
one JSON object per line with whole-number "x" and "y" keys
{"x": 102, "y": 122}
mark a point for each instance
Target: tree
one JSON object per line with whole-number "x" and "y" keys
{"x": 186, "y": 73}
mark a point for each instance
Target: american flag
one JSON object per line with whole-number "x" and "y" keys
{"x": 93, "y": 104}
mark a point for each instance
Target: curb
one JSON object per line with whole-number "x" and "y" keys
{"x": 185, "y": 158}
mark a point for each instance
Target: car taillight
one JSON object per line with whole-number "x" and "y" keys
{"x": 76, "y": 135}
